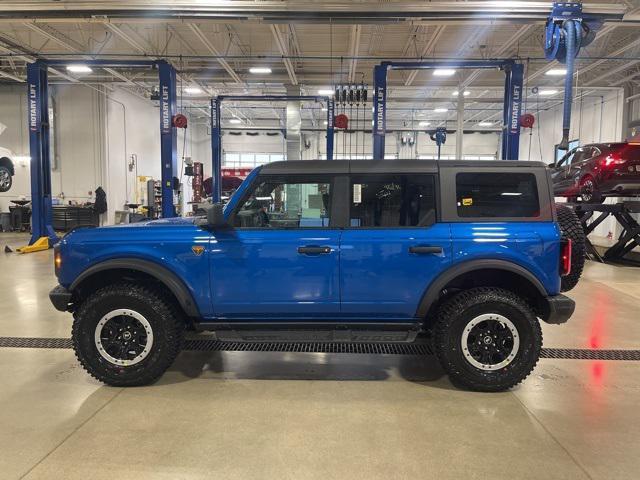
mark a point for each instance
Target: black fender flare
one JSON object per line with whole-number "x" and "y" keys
{"x": 6, "y": 162}
{"x": 432, "y": 293}
{"x": 160, "y": 273}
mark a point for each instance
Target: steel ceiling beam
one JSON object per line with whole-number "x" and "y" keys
{"x": 284, "y": 50}
{"x": 278, "y": 11}
{"x": 64, "y": 41}
{"x": 608, "y": 73}
{"x": 128, "y": 38}
{"x": 427, "y": 49}
{"x": 354, "y": 46}
{"x": 506, "y": 47}
{"x": 30, "y": 58}
{"x": 11, "y": 76}
{"x": 214, "y": 51}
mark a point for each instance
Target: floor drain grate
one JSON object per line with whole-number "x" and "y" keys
{"x": 211, "y": 345}
{"x": 586, "y": 354}
{"x": 31, "y": 342}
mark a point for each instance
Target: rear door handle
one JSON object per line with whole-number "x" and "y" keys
{"x": 314, "y": 250}
{"x": 422, "y": 249}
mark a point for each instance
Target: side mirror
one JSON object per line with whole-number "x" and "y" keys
{"x": 552, "y": 165}
{"x": 215, "y": 216}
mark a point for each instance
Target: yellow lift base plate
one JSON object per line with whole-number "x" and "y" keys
{"x": 41, "y": 244}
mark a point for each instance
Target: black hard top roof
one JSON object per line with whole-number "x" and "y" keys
{"x": 387, "y": 166}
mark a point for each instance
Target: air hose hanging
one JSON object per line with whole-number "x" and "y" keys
{"x": 566, "y": 32}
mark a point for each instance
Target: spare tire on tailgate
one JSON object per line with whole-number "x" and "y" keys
{"x": 571, "y": 227}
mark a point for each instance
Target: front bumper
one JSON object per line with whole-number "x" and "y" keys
{"x": 60, "y": 297}
{"x": 559, "y": 309}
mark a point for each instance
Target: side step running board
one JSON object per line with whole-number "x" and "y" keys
{"x": 295, "y": 332}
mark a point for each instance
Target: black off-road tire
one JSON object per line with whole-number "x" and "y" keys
{"x": 571, "y": 227}
{"x": 166, "y": 321}
{"x": 454, "y": 316}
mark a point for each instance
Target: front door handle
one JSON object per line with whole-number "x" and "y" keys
{"x": 425, "y": 249}
{"x": 313, "y": 250}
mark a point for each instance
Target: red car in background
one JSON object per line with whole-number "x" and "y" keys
{"x": 593, "y": 172}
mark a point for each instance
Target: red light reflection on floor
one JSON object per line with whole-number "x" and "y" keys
{"x": 597, "y": 372}
{"x": 597, "y": 321}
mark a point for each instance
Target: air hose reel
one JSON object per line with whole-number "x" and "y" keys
{"x": 567, "y": 30}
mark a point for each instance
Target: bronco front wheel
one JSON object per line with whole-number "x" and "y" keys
{"x": 487, "y": 339}
{"x": 127, "y": 335}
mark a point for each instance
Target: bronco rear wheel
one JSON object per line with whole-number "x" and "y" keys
{"x": 487, "y": 339}
{"x": 127, "y": 335}
{"x": 571, "y": 227}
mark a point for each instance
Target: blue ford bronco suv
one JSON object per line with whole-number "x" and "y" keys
{"x": 466, "y": 255}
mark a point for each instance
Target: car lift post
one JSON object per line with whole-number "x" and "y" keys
{"x": 168, "y": 136}
{"x": 38, "y": 121}
{"x": 512, "y": 99}
{"x": 216, "y": 128}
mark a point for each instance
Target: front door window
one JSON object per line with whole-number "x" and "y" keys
{"x": 286, "y": 203}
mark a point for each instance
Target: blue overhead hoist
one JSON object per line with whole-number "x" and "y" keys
{"x": 568, "y": 30}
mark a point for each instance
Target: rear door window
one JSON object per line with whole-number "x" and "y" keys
{"x": 494, "y": 195}
{"x": 388, "y": 200}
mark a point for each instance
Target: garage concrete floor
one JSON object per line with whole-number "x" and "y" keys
{"x": 242, "y": 415}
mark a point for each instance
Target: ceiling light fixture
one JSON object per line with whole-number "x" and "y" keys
{"x": 440, "y": 110}
{"x": 546, "y": 93}
{"x": 485, "y": 124}
{"x": 424, "y": 124}
{"x": 235, "y": 121}
{"x": 325, "y": 91}
{"x": 443, "y": 72}
{"x": 193, "y": 90}
{"x": 556, "y": 72}
{"x": 258, "y": 70}
{"x": 456, "y": 93}
{"x": 78, "y": 68}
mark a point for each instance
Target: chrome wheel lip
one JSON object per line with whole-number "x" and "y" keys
{"x": 117, "y": 361}
{"x": 479, "y": 319}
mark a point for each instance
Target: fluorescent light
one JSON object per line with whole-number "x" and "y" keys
{"x": 485, "y": 124}
{"x": 424, "y": 124}
{"x": 324, "y": 109}
{"x": 192, "y": 90}
{"x": 79, "y": 68}
{"x": 466, "y": 93}
{"x": 440, "y": 110}
{"x": 509, "y": 194}
{"x": 325, "y": 122}
{"x": 548, "y": 92}
{"x": 326, "y": 91}
{"x": 443, "y": 72}
{"x": 556, "y": 72}
{"x": 235, "y": 121}
{"x": 259, "y": 70}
